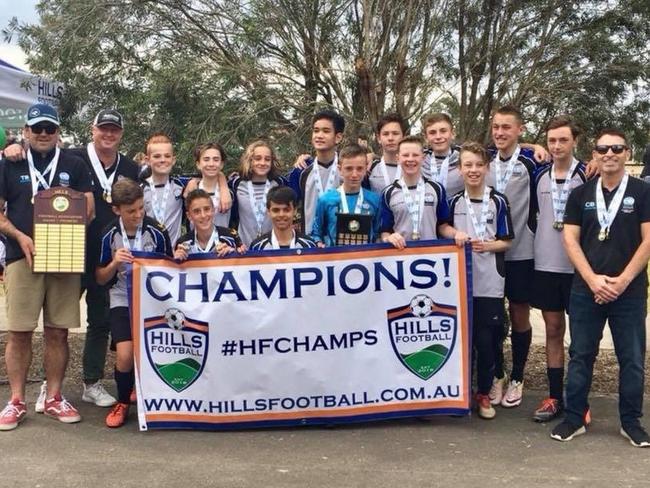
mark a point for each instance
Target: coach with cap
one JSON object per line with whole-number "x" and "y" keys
{"x": 28, "y": 293}
{"x": 106, "y": 166}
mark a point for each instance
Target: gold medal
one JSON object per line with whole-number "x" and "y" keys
{"x": 415, "y": 236}
{"x": 32, "y": 200}
{"x": 108, "y": 198}
{"x": 558, "y": 225}
{"x": 602, "y": 235}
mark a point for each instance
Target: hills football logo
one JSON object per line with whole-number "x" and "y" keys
{"x": 177, "y": 347}
{"x": 423, "y": 334}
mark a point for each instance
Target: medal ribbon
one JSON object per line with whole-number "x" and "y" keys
{"x": 384, "y": 171}
{"x": 38, "y": 178}
{"x": 159, "y": 206}
{"x": 137, "y": 241}
{"x": 606, "y": 216}
{"x": 215, "y": 196}
{"x": 415, "y": 205}
{"x": 480, "y": 226}
{"x": 331, "y": 177}
{"x": 258, "y": 204}
{"x": 440, "y": 174}
{"x": 344, "y": 201}
{"x": 560, "y": 197}
{"x": 105, "y": 182}
{"x": 213, "y": 238}
{"x": 502, "y": 179}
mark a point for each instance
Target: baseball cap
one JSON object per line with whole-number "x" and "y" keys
{"x": 42, "y": 112}
{"x": 109, "y": 116}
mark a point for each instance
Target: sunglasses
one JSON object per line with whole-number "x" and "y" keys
{"x": 616, "y": 148}
{"x": 48, "y": 128}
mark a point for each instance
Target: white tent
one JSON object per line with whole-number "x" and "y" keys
{"x": 20, "y": 89}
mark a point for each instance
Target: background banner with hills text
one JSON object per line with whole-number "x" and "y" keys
{"x": 299, "y": 337}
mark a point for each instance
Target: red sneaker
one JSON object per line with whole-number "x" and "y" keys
{"x": 12, "y": 415}
{"x": 59, "y": 408}
{"x": 118, "y": 415}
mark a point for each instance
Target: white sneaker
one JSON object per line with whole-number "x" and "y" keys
{"x": 513, "y": 395}
{"x": 97, "y": 394}
{"x": 496, "y": 391}
{"x": 40, "y": 402}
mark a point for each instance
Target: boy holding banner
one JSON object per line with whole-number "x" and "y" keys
{"x": 484, "y": 214}
{"x": 281, "y": 208}
{"x": 206, "y": 237}
{"x": 163, "y": 195}
{"x": 414, "y": 207}
{"x": 349, "y": 214}
{"x": 131, "y": 231}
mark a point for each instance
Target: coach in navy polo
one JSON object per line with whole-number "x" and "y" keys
{"x": 607, "y": 238}
{"x": 57, "y": 295}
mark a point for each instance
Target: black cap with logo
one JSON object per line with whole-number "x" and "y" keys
{"x": 109, "y": 117}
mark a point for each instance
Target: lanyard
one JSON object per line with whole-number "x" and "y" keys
{"x": 344, "y": 201}
{"x": 159, "y": 206}
{"x": 331, "y": 177}
{"x": 606, "y": 216}
{"x": 440, "y": 174}
{"x": 137, "y": 241}
{"x": 415, "y": 205}
{"x": 213, "y": 238}
{"x": 502, "y": 179}
{"x": 213, "y": 195}
{"x": 275, "y": 244}
{"x": 384, "y": 170}
{"x": 105, "y": 182}
{"x": 560, "y": 196}
{"x": 480, "y": 226}
{"x": 38, "y": 178}
{"x": 258, "y": 204}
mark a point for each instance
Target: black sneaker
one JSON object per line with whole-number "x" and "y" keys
{"x": 636, "y": 434}
{"x": 566, "y": 431}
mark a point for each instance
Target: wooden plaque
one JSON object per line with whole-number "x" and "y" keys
{"x": 59, "y": 231}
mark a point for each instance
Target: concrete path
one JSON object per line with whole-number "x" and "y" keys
{"x": 510, "y": 450}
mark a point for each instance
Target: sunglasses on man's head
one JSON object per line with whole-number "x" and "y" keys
{"x": 616, "y": 148}
{"x": 48, "y": 128}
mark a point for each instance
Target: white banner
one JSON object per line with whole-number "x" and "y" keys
{"x": 302, "y": 337}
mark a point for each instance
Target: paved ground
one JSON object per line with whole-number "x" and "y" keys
{"x": 441, "y": 451}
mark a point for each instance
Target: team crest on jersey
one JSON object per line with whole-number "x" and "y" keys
{"x": 24, "y": 179}
{"x": 64, "y": 178}
{"x": 177, "y": 348}
{"x": 628, "y": 205}
{"x": 423, "y": 334}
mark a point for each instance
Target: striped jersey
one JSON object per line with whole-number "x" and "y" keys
{"x": 155, "y": 196}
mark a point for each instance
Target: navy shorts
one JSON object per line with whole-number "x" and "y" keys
{"x": 519, "y": 280}
{"x": 551, "y": 291}
{"x": 120, "y": 322}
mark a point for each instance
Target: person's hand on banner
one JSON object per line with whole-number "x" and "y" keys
{"x": 396, "y": 239}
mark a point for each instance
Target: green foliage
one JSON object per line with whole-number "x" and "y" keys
{"x": 235, "y": 70}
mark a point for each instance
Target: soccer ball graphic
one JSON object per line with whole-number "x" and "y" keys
{"x": 421, "y": 306}
{"x": 174, "y": 318}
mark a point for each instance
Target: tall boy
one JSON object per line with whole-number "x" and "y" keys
{"x": 163, "y": 195}
{"x": 483, "y": 214}
{"x": 281, "y": 205}
{"x": 553, "y": 270}
{"x": 348, "y": 199}
{"x": 413, "y": 207}
{"x": 131, "y": 231}
{"x": 314, "y": 180}
{"x": 383, "y": 171}
{"x": 511, "y": 173}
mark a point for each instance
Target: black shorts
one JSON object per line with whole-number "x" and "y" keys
{"x": 120, "y": 322}
{"x": 519, "y": 280}
{"x": 551, "y": 291}
{"x": 487, "y": 311}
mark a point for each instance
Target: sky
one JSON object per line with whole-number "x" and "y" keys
{"x": 25, "y": 11}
